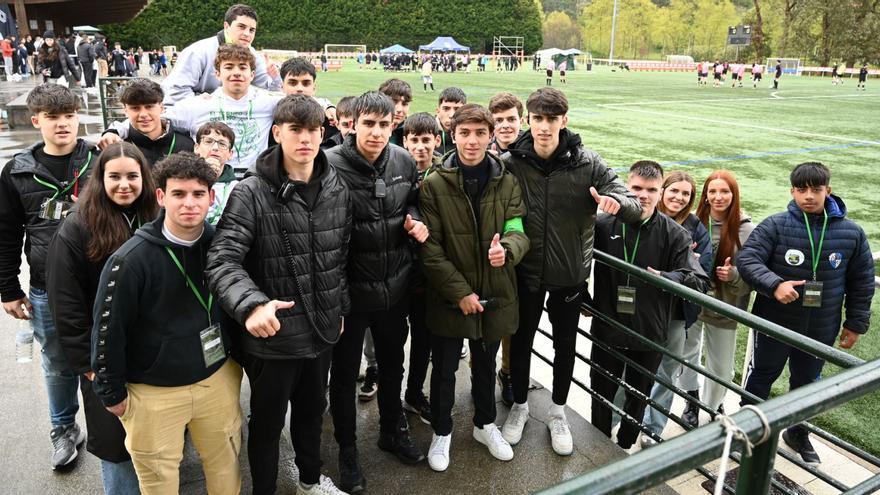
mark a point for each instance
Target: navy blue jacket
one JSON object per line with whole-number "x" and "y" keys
{"x": 779, "y": 250}
{"x": 700, "y": 235}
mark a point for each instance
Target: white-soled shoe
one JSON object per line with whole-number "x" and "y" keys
{"x": 516, "y": 421}
{"x": 490, "y": 436}
{"x": 438, "y": 454}
{"x": 324, "y": 486}
{"x": 560, "y": 435}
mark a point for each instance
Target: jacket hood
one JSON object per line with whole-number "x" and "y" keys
{"x": 227, "y": 174}
{"x": 152, "y": 232}
{"x": 269, "y": 167}
{"x": 833, "y": 205}
{"x": 524, "y": 146}
{"x": 140, "y": 139}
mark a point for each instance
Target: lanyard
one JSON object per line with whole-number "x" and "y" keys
{"x": 192, "y": 286}
{"x": 626, "y": 257}
{"x": 171, "y": 148}
{"x": 237, "y": 146}
{"x": 76, "y": 175}
{"x": 816, "y": 254}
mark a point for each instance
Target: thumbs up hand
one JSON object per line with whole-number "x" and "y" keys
{"x": 606, "y": 203}
{"x": 497, "y": 254}
{"x": 724, "y": 272}
{"x": 416, "y": 229}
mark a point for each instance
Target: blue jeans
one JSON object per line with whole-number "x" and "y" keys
{"x": 671, "y": 370}
{"x": 61, "y": 383}
{"x": 119, "y": 478}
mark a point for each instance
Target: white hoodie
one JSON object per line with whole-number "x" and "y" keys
{"x": 194, "y": 72}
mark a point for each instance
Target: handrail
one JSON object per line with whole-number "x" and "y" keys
{"x": 699, "y": 446}
{"x": 774, "y": 330}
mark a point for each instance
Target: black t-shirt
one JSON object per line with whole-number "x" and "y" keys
{"x": 308, "y": 191}
{"x": 58, "y": 165}
{"x": 475, "y": 179}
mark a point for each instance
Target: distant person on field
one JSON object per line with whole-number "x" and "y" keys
{"x": 811, "y": 267}
{"x": 863, "y": 76}
{"x": 194, "y": 72}
{"x": 757, "y": 73}
{"x": 777, "y": 75}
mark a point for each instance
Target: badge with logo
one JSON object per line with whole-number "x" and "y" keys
{"x": 835, "y": 259}
{"x": 794, "y": 257}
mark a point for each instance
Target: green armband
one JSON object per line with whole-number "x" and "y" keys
{"x": 514, "y": 224}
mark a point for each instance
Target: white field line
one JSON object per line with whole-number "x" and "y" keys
{"x": 750, "y": 126}
{"x": 730, "y": 100}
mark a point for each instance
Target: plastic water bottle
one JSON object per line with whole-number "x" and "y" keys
{"x": 24, "y": 342}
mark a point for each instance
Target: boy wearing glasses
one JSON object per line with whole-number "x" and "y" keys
{"x": 214, "y": 143}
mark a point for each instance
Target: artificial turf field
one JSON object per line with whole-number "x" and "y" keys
{"x": 759, "y": 134}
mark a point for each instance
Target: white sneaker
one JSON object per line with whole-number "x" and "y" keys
{"x": 516, "y": 421}
{"x": 647, "y": 441}
{"x": 560, "y": 435}
{"x": 490, "y": 436}
{"x": 324, "y": 486}
{"x": 438, "y": 454}
{"x": 465, "y": 349}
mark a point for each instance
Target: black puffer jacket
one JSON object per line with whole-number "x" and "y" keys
{"x": 560, "y": 212}
{"x": 249, "y": 264}
{"x": 380, "y": 257}
{"x": 21, "y": 198}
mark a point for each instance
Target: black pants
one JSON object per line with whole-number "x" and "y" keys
{"x": 634, "y": 406}
{"x": 563, "y": 309}
{"x": 768, "y": 360}
{"x": 446, "y": 354}
{"x": 389, "y": 330}
{"x": 419, "y": 346}
{"x": 106, "y": 437}
{"x": 88, "y": 74}
{"x": 274, "y": 384}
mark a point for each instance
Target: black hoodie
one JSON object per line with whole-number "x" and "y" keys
{"x": 560, "y": 211}
{"x": 171, "y": 141}
{"x": 147, "y": 319}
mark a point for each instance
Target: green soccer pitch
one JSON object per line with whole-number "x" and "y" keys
{"x": 760, "y": 134}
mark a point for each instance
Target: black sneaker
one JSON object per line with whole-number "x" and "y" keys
{"x": 418, "y": 404}
{"x": 506, "y": 388}
{"x": 368, "y": 390}
{"x": 400, "y": 444}
{"x": 66, "y": 440}
{"x": 691, "y": 414}
{"x": 351, "y": 478}
{"x": 798, "y": 438}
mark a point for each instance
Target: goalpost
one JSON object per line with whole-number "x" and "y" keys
{"x": 790, "y": 66}
{"x": 343, "y": 51}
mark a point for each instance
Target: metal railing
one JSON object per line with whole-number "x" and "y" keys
{"x": 111, "y": 107}
{"x": 691, "y": 450}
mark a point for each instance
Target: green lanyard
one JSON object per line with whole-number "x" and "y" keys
{"x": 626, "y": 257}
{"x": 816, "y": 254}
{"x": 192, "y": 286}
{"x": 237, "y": 146}
{"x": 59, "y": 192}
{"x": 171, "y": 148}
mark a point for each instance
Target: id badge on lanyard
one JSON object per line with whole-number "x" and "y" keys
{"x": 813, "y": 288}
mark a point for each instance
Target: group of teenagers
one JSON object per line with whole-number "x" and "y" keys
{"x": 228, "y": 231}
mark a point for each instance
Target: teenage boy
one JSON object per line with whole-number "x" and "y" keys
{"x": 658, "y": 244}
{"x": 299, "y": 77}
{"x": 37, "y": 188}
{"x": 383, "y": 183}
{"x": 563, "y": 183}
{"x": 284, "y": 281}
{"x": 154, "y": 136}
{"x": 777, "y": 74}
{"x": 421, "y": 137}
{"x": 344, "y": 122}
{"x": 214, "y": 142}
{"x": 863, "y": 76}
{"x": 194, "y": 71}
{"x": 400, "y": 93}
{"x": 427, "y": 69}
{"x": 507, "y": 114}
{"x": 246, "y": 110}
{"x": 159, "y": 351}
{"x": 474, "y": 208}
{"x": 809, "y": 265}
{"x": 450, "y": 100}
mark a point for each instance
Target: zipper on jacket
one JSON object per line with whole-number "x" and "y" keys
{"x": 387, "y": 295}
{"x": 546, "y": 215}
{"x": 479, "y": 254}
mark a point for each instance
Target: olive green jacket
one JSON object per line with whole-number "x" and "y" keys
{"x": 455, "y": 258}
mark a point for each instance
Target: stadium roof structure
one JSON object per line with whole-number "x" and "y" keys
{"x": 396, "y": 49}
{"x": 69, "y": 13}
{"x": 444, "y": 44}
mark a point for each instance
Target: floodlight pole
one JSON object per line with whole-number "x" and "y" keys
{"x": 613, "y": 26}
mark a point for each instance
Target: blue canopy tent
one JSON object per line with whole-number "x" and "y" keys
{"x": 444, "y": 44}
{"x": 396, "y": 49}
